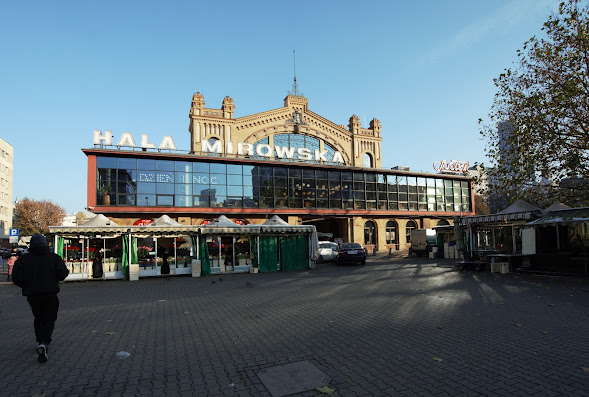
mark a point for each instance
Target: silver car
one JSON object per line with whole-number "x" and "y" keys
{"x": 327, "y": 251}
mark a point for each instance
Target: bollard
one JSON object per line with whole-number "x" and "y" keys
{"x": 374, "y": 251}
{"x": 390, "y": 250}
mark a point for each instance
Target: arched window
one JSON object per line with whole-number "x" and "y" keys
{"x": 264, "y": 141}
{"x": 443, "y": 222}
{"x": 369, "y": 233}
{"x": 367, "y": 160}
{"x": 391, "y": 232}
{"x": 297, "y": 141}
{"x": 410, "y": 226}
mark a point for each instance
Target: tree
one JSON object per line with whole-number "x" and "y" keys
{"x": 80, "y": 218}
{"x": 32, "y": 216}
{"x": 481, "y": 208}
{"x": 538, "y": 135}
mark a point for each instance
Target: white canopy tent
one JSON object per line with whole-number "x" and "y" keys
{"x": 101, "y": 227}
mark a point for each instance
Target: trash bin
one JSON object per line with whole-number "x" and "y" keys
{"x": 196, "y": 268}
{"x": 134, "y": 272}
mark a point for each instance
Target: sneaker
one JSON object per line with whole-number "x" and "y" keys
{"x": 42, "y": 352}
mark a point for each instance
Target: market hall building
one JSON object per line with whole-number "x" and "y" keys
{"x": 289, "y": 162}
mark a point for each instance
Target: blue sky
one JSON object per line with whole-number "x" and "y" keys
{"x": 425, "y": 70}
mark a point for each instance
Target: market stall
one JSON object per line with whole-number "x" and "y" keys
{"x": 561, "y": 241}
{"x": 166, "y": 247}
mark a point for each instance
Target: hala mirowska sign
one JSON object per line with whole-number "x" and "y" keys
{"x": 247, "y": 149}
{"x": 281, "y": 152}
{"x": 128, "y": 141}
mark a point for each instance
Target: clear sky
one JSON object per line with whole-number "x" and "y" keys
{"x": 424, "y": 69}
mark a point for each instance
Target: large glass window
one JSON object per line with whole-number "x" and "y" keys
{"x": 148, "y": 182}
{"x": 265, "y": 141}
{"x": 128, "y": 163}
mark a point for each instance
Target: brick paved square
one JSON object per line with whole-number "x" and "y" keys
{"x": 397, "y": 326}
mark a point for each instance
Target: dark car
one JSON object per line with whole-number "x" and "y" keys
{"x": 351, "y": 252}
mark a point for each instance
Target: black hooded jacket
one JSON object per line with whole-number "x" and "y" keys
{"x": 39, "y": 271}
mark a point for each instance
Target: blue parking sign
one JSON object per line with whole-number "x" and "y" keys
{"x": 13, "y": 233}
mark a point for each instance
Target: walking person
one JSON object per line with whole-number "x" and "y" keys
{"x": 97, "y": 265}
{"x": 38, "y": 274}
{"x": 10, "y": 262}
{"x": 165, "y": 264}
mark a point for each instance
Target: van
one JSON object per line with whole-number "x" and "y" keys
{"x": 422, "y": 241}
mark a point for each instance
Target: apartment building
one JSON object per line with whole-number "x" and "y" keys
{"x": 6, "y": 201}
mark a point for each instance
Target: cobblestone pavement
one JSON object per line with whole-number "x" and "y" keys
{"x": 395, "y": 327}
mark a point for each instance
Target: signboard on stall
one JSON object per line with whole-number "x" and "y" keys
{"x": 143, "y": 222}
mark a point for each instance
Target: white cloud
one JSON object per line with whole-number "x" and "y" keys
{"x": 499, "y": 24}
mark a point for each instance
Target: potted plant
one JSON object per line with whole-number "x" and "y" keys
{"x": 143, "y": 252}
{"x": 112, "y": 264}
{"x": 104, "y": 193}
{"x": 243, "y": 259}
{"x": 107, "y": 264}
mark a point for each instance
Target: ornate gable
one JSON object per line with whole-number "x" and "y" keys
{"x": 294, "y": 118}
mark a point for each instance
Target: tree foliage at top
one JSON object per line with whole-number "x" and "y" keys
{"x": 32, "y": 216}
{"x": 538, "y": 136}
{"x": 481, "y": 207}
{"x": 81, "y": 218}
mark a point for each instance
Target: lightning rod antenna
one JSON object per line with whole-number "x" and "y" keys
{"x": 295, "y": 88}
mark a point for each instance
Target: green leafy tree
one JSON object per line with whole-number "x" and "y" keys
{"x": 32, "y": 216}
{"x": 538, "y": 134}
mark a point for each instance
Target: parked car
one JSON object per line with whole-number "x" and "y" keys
{"x": 327, "y": 251}
{"x": 351, "y": 252}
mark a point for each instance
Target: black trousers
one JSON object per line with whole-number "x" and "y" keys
{"x": 97, "y": 269}
{"x": 44, "y": 309}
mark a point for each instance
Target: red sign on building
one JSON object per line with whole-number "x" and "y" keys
{"x": 143, "y": 222}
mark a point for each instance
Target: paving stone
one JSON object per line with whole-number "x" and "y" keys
{"x": 288, "y": 379}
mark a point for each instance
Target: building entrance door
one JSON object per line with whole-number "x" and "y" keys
{"x": 336, "y": 226}
{"x": 227, "y": 254}
{"x": 147, "y": 257}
